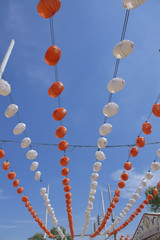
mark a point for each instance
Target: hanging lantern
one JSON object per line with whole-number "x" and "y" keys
{"x": 59, "y": 114}
{"x": 5, "y": 88}
{"x": 94, "y": 176}
{"x": 127, "y": 165}
{"x": 132, "y": 201}
{"x": 34, "y": 166}
{"x": 27, "y": 204}
{"x": 129, "y": 206}
{"x": 64, "y": 161}
{"x": 61, "y": 132}
{"x": 37, "y": 175}
{"x": 148, "y": 175}
{"x": 68, "y": 195}
{"x": 55, "y": 89}
{"x": 19, "y": 128}
{"x": 113, "y": 204}
{"x": 121, "y": 184}
{"x": 25, "y": 142}
{"x": 150, "y": 197}
{"x": 126, "y": 210}
{"x": 135, "y": 196}
{"x": 144, "y": 183}
{"x": 15, "y": 183}
{"x": 93, "y": 185}
{"x": 156, "y": 109}
{"x": 140, "y": 141}
{"x": 11, "y": 110}
{"x": 117, "y": 192}
{"x": 67, "y": 188}
{"x": 158, "y": 152}
{"x": 31, "y": 154}
{"x": 155, "y": 191}
{"x": 139, "y": 190}
{"x": 99, "y": 155}
{"x": 64, "y": 171}
{"x": 105, "y": 129}
{"x": 124, "y": 176}
{"x": 147, "y": 128}
{"x": 158, "y": 185}
{"x": 131, "y": 4}
{"x": 146, "y": 201}
{"x": 92, "y": 192}
{"x": 110, "y": 109}
{"x": 123, "y": 49}
{"x": 155, "y": 166}
{"x": 53, "y": 55}
{"x": 11, "y": 175}
{"x": 66, "y": 181}
{"x": 115, "y": 85}
{"x": 2, "y": 153}
{"x": 91, "y": 198}
{"x": 102, "y": 142}
{"x": 63, "y": 145}
{"x": 115, "y": 199}
{"x": 6, "y": 166}
{"x": 20, "y": 190}
{"x": 134, "y": 151}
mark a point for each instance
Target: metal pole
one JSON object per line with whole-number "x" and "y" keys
{"x": 103, "y": 208}
{"x": 6, "y": 57}
{"x": 46, "y": 215}
{"x": 109, "y": 193}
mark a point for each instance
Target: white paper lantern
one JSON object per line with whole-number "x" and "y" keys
{"x": 110, "y": 109}
{"x": 47, "y": 201}
{"x": 90, "y": 204}
{"x": 19, "y": 128}
{"x": 128, "y": 205}
{"x": 43, "y": 191}
{"x": 34, "y": 166}
{"x": 45, "y": 196}
{"x": 144, "y": 183}
{"x": 115, "y": 85}
{"x": 92, "y": 192}
{"x": 31, "y": 154}
{"x": 131, "y": 4}
{"x": 99, "y": 155}
{"x": 97, "y": 166}
{"x": 158, "y": 152}
{"x": 91, "y": 198}
{"x": 139, "y": 190}
{"x": 148, "y": 175}
{"x": 132, "y": 201}
{"x": 155, "y": 166}
{"x": 93, "y": 185}
{"x": 135, "y": 196}
{"x": 25, "y": 142}
{"x": 123, "y": 49}
{"x": 11, "y": 110}
{"x": 105, "y": 129}
{"x": 5, "y": 88}
{"x": 102, "y": 142}
{"x": 37, "y": 175}
{"x": 94, "y": 176}
{"x": 126, "y": 210}
{"x": 121, "y": 215}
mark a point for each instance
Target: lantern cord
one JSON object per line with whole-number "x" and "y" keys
{"x": 125, "y": 24}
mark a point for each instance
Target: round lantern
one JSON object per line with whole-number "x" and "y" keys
{"x": 45, "y": 197}
{"x": 5, "y": 88}
{"x": 147, "y": 128}
{"x": 139, "y": 190}
{"x": 156, "y": 109}
{"x": 140, "y": 141}
{"x": 61, "y": 132}
{"x": 6, "y": 166}
{"x": 55, "y": 89}
{"x": 135, "y": 196}
{"x": 19, "y": 128}
{"x": 34, "y": 166}
{"x": 123, "y": 49}
{"x": 92, "y": 192}
{"x": 91, "y": 198}
{"x": 2, "y": 153}
{"x": 90, "y": 204}
{"x": 67, "y": 188}
{"x": 117, "y": 192}
{"x": 65, "y": 171}
{"x": 37, "y": 175}
{"x": 110, "y": 109}
{"x": 25, "y": 142}
{"x": 155, "y": 166}
{"x": 146, "y": 201}
{"x": 148, "y": 175}
{"x": 132, "y": 201}
{"x": 99, "y": 155}
{"x": 115, "y": 85}
{"x": 144, "y": 183}
{"x": 127, "y": 165}
{"x": 63, "y": 145}
{"x": 11, "y": 175}
{"x": 150, "y": 197}
{"x": 97, "y": 166}
{"x": 126, "y": 209}
{"x": 158, "y": 185}
{"x": 158, "y": 152}
{"x": 105, "y": 129}
{"x": 102, "y": 142}
{"x": 128, "y": 205}
{"x": 15, "y": 183}
{"x": 31, "y": 154}
{"x": 155, "y": 191}
{"x": 11, "y": 110}
{"x": 93, "y": 185}
{"x": 134, "y": 151}
{"x": 94, "y": 176}
{"x": 66, "y": 181}
{"x": 124, "y": 176}
{"x": 20, "y": 190}
{"x": 53, "y": 55}
{"x": 131, "y": 4}
{"x": 115, "y": 199}
{"x": 59, "y": 114}
{"x": 64, "y": 161}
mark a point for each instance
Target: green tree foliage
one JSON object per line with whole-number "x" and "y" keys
{"x": 57, "y": 237}
{"x": 37, "y": 236}
{"x": 154, "y": 204}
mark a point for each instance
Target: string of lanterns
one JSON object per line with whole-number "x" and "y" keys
{"x": 20, "y": 190}
{"x": 47, "y": 9}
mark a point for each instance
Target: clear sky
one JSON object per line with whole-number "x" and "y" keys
{"x": 86, "y": 32}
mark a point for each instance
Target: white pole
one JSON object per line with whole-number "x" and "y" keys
{"x": 103, "y": 208}
{"x": 6, "y": 57}
{"x": 46, "y": 215}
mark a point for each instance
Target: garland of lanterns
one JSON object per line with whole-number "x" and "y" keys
{"x": 20, "y": 190}
{"x": 47, "y": 9}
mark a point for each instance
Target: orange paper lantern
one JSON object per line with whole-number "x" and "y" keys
{"x": 11, "y": 175}
{"x": 2, "y": 153}
{"x": 64, "y": 171}
{"x": 64, "y": 161}
{"x": 61, "y": 132}
{"x": 6, "y": 166}
{"x": 20, "y": 190}
{"x": 47, "y": 8}
{"x": 121, "y": 184}
{"x": 156, "y": 109}
{"x": 134, "y": 151}
{"x": 127, "y": 165}
{"x": 140, "y": 141}
{"x": 15, "y": 183}
{"x": 63, "y": 145}
{"x": 59, "y": 114}
{"x": 53, "y": 55}
{"x": 147, "y": 128}
{"x": 55, "y": 89}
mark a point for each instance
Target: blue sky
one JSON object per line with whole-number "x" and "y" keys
{"x": 86, "y": 32}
